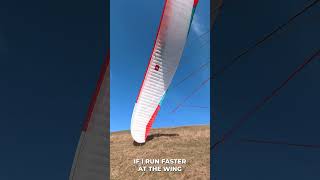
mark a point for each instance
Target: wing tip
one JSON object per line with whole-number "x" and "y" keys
{"x": 137, "y": 139}
{"x": 195, "y": 3}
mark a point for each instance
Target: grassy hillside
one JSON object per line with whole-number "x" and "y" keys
{"x": 191, "y": 143}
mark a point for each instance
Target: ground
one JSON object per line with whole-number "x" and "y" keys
{"x": 191, "y": 143}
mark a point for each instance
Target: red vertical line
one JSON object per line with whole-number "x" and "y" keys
{"x": 247, "y": 116}
{"x": 149, "y": 125}
{"x": 97, "y": 91}
{"x": 154, "y": 46}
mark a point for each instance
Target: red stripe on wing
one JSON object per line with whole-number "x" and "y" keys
{"x": 154, "y": 46}
{"x": 96, "y": 93}
{"x": 153, "y": 117}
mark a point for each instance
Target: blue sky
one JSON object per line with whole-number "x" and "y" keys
{"x": 133, "y": 30}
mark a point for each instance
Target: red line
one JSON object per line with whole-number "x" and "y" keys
{"x": 165, "y": 5}
{"x": 246, "y": 116}
{"x": 193, "y": 92}
{"x": 195, "y": 3}
{"x": 192, "y": 106}
{"x": 263, "y": 39}
{"x": 259, "y": 42}
{"x": 191, "y": 74}
{"x": 153, "y": 117}
{"x": 96, "y": 93}
{"x": 281, "y": 143}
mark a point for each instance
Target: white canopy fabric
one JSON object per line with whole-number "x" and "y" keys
{"x": 168, "y": 47}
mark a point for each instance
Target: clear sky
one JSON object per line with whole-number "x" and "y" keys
{"x": 134, "y": 25}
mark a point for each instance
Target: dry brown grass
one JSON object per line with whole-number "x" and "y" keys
{"x": 191, "y": 143}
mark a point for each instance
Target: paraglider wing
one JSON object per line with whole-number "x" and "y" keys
{"x": 168, "y": 47}
{"x": 92, "y": 155}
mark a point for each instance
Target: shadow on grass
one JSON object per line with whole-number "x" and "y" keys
{"x": 152, "y": 136}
